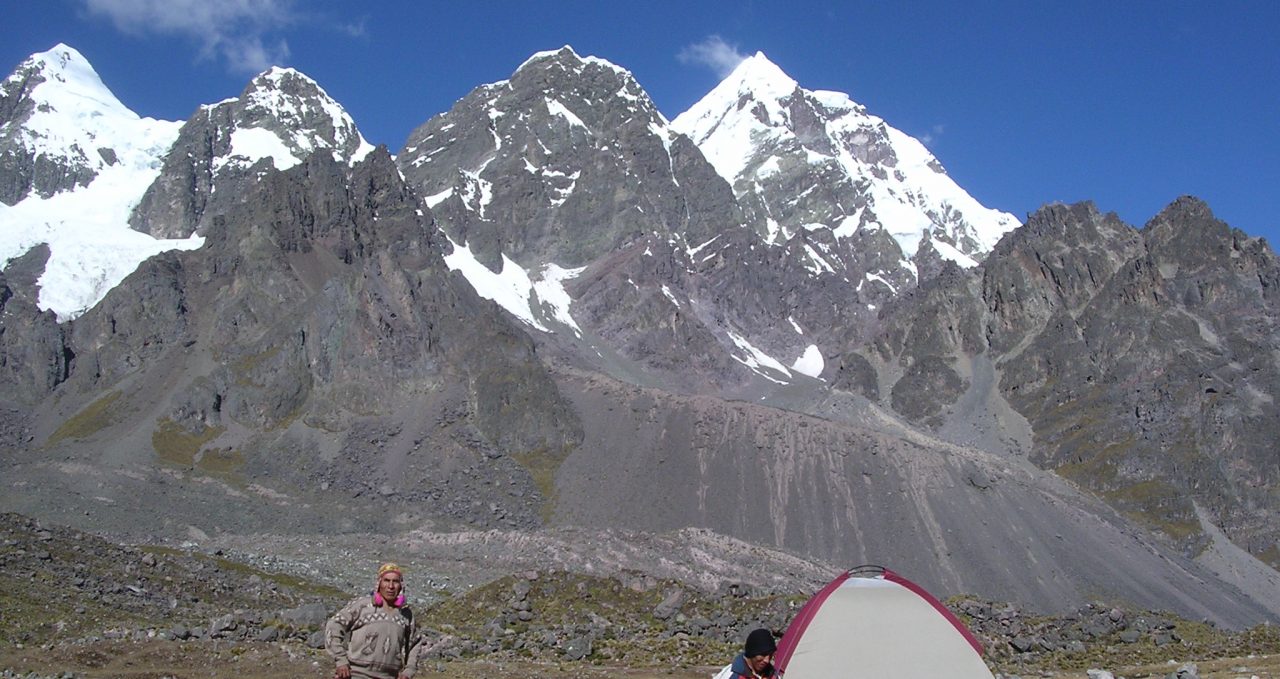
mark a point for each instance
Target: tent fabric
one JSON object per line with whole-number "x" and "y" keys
{"x": 876, "y": 626}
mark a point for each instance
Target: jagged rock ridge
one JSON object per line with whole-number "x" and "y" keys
{"x": 280, "y": 119}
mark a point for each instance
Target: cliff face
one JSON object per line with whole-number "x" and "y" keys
{"x": 317, "y": 341}
{"x": 1143, "y": 361}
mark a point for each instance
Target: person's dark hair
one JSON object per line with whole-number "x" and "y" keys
{"x": 759, "y": 642}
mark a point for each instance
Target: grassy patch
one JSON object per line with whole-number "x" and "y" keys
{"x": 299, "y": 585}
{"x": 1271, "y": 556}
{"x": 543, "y": 465}
{"x": 221, "y": 462}
{"x": 176, "y": 445}
{"x": 245, "y": 366}
{"x": 1193, "y": 640}
{"x": 1152, "y": 503}
{"x": 631, "y": 632}
{"x": 34, "y": 609}
{"x": 1156, "y": 505}
{"x": 1098, "y": 470}
{"x": 91, "y": 419}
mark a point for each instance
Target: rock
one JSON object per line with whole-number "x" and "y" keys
{"x": 669, "y": 605}
{"x": 577, "y": 648}
{"x": 1130, "y": 636}
{"x": 1100, "y": 674}
{"x": 219, "y": 627}
{"x": 267, "y": 634}
{"x": 313, "y": 614}
{"x": 1023, "y": 644}
{"x": 316, "y": 640}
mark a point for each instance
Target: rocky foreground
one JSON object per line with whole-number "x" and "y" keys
{"x": 76, "y": 605}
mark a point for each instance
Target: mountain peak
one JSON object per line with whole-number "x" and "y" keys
{"x": 759, "y": 75}
{"x": 563, "y": 55}
{"x": 62, "y": 57}
{"x": 277, "y": 75}
{"x": 766, "y": 135}
{"x": 566, "y": 56}
{"x": 66, "y": 82}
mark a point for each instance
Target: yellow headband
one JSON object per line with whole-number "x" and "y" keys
{"x": 387, "y": 568}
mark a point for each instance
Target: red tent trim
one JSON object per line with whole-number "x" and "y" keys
{"x": 786, "y": 646}
{"x": 946, "y": 612}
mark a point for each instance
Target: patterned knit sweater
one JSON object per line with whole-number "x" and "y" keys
{"x": 379, "y": 642}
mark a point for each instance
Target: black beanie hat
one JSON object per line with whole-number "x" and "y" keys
{"x": 759, "y": 642}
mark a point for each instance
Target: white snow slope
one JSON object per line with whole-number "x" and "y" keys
{"x": 750, "y": 114}
{"x": 91, "y": 245}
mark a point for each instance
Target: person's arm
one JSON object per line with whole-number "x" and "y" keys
{"x": 337, "y": 634}
{"x": 414, "y": 647}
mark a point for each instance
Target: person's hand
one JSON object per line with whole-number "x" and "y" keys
{"x": 343, "y": 672}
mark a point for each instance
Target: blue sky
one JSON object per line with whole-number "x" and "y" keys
{"x": 1129, "y": 104}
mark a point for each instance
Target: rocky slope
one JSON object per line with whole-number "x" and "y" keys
{"x": 1141, "y": 360}
{"x": 124, "y": 609}
{"x": 193, "y": 364}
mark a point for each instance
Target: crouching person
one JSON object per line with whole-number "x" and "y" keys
{"x": 374, "y": 637}
{"x": 756, "y": 659}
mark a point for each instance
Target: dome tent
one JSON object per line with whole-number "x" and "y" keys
{"x": 872, "y": 622}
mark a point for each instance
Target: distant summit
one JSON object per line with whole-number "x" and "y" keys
{"x": 60, "y": 127}
{"x": 818, "y": 160}
{"x": 277, "y": 122}
{"x": 75, "y": 162}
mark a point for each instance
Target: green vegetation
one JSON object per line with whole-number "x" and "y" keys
{"x": 91, "y": 419}
{"x": 1197, "y": 640}
{"x": 1154, "y": 504}
{"x": 31, "y": 614}
{"x": 1097, "y": 471}
{"x": 543, "y": 465}
{"x": 1158, "y": 506}
{"x": 633, "y": 634}
{"x": 176, "y": 445}
{"x": 1271, "y": 556}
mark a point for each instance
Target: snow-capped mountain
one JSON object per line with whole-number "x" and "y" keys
{"x": 761, "y": 337}
{"x": 106, "y": 189}
{"x": 81, "y": 161}
{"x": 818, "y": 160}
{"x": 280, "y": 119}
{"x": 567, "y": 161}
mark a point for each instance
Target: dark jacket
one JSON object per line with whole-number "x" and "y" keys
{"x": 738, "y": 670}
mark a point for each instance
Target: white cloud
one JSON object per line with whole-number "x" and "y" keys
{"x": 234, "y": 30}
{"x": 713, "y": 53}
{"x": 932, "y": 135}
